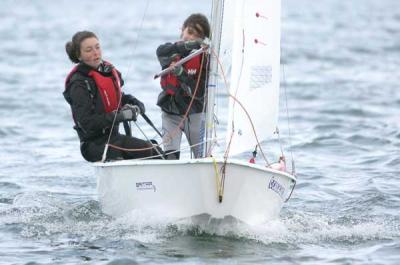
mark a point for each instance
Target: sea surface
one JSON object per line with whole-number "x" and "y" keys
{"x": 340, "y": 98}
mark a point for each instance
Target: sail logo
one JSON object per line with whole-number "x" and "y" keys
{"x": 148, "y": 185}
{"x": 276, "y": 186}
{"x": 260, "y": 76}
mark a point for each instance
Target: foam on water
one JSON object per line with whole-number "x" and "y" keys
{"x": 42, "y": 214}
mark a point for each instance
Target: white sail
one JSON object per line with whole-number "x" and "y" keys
{"x": 254, "y": 78}
{"x": 227, "y": 34}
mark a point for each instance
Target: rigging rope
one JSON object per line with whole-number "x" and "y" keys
{"x": 234, "y": 103}
{"x": 219, "y": 181}
{"x": 107, "y": 145}
{"x": 226, "y": 154}
{"x": 154, "y": 147}
{"x": 135, "y": 42}
{"x": 243, "y": 108}
{"x": 288, "y": 118}
{"x": 174, "y": 132}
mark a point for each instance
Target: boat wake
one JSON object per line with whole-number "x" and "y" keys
{"x": 43, "y": 215}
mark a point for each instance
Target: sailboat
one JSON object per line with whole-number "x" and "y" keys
{"x": 246, "y": 40}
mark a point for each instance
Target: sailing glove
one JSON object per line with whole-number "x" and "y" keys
{"x": 128, "y": 113}
{"x": 134, "y": 101}
{"x": 193, "y": 44}
{"x": 188, "y": 46}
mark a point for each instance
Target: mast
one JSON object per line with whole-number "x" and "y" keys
{"x": 216, "y": 30}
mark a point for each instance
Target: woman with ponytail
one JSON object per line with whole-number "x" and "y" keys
{"x": 98, "y": 105}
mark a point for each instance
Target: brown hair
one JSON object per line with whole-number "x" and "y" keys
{"x": 73, "y": 48}
{"x": 200, "y": 23}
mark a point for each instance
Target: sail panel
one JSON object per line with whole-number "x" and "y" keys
{"x": 254, "y": 76}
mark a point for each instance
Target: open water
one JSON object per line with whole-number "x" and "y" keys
{"x": 341, "y": 81}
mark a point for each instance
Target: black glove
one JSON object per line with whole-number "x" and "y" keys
{"x": 134, "y": 101}
{"x": 184, "y": 47}
{"x": 193, "y": 44}
{"x": 128, "y": 113}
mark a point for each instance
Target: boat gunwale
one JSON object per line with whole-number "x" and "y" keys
{"x": 136, "y": 162}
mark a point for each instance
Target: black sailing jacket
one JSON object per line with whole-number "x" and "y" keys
{"x": 90, "y": 117}
{"x": 178, "y": 103}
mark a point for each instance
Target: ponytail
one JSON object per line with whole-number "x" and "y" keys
{"x": 73, "y": 47}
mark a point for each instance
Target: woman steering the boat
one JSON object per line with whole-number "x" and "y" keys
{"x": 93, "y": 90}
{"x": 184, "y": 88}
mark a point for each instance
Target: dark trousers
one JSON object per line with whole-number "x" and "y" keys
{"x": 93, "y": 150}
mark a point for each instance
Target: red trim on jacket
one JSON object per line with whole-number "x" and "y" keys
{"x": 170, "y": 82}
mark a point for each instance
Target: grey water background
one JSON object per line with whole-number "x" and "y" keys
{"x": 341, "y": 80}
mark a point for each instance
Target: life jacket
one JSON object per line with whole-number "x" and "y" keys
{"x": 170, "y": 82}
{"x": 109, "y": 87}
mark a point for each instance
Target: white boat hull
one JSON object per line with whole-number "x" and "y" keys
{"x": 181, "y": 189}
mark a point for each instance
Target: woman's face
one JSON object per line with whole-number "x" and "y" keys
{"x": 190, "y": 33}
{"x": 91, "y": 52}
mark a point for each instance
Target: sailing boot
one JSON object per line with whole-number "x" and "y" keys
{"x": 172, "y": 155}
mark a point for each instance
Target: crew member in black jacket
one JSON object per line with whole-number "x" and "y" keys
{"x": 93, "y": 90}
{"x": 185, "y": 84}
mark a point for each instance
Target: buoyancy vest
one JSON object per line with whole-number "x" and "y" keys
{"x": 170, "y": 82}
{"x": 109, "y": 87}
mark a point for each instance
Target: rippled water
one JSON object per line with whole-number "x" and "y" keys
{"x": 341, "y": 80}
